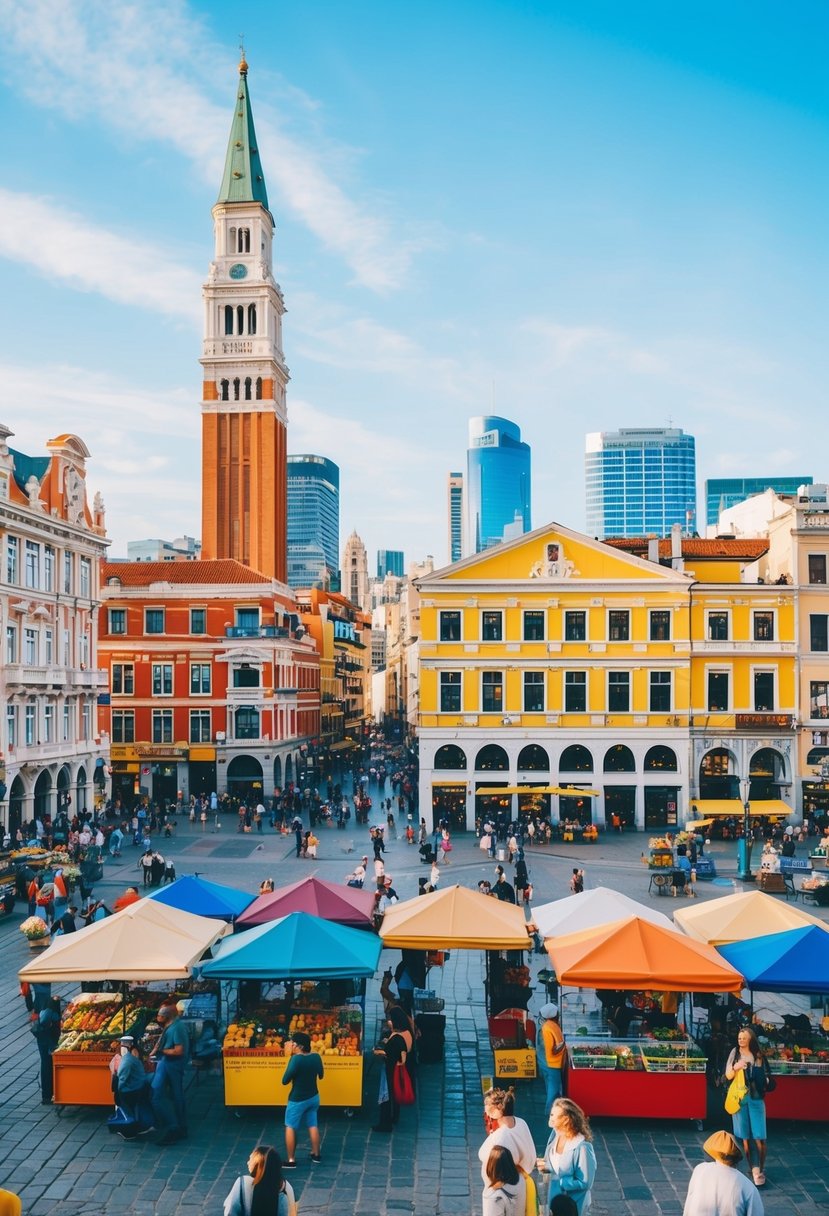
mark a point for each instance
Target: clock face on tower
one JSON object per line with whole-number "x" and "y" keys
{"x": 238, "y": 271}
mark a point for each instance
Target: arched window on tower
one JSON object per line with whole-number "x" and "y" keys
{"x": 244, "y": 240}
{"x": 225, "y": 390}
{"x": 251, "y": 318}
{"x": 236, "y": 386}
{"x": 258, "y": 388}
{"x": 232, "y": 239}
{"x": 228, "y": 319}
{"x": 248, "y": 387}
{"x": 240, "y": 319}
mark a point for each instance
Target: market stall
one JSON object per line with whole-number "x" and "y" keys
{"x": 297, "y": 973}
{"x": 457, "y": 918}
{"x": 736, "y": 918}
{"x": 597, "y": 906}
{"x": 605, "y": 1077}
{"x": 797, "y": 1050}
{"x": 211, "y": 899}
{"x": 145, "y": 943}
{"x": 329, "y": 901}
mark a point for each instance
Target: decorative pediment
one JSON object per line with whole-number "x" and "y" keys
{"x": 248, "y": 654}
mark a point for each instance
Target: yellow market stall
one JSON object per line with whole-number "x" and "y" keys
{"x": 145, "y": 942}
{"x": 298, "y": 973}
{"x": 460, "y": 919}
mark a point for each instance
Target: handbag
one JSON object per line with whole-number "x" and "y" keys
{"x": 737, "y": 1092}
{"x": 401, "y": 1085}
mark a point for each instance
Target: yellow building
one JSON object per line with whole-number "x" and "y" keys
{"x": 562, "y": 663}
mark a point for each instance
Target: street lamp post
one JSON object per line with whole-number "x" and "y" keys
{"x": 744, "y": 873}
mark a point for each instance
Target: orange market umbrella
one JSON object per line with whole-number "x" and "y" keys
{"x": 633, "y": 954}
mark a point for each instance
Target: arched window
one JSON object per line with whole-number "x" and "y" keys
{"x": 619, "y": 759}
{"x": 248, "y": 388}
{"x": 258, "y": 388}
{"x": 575, "y": 759}
{"x": 660, "y": 759}
{"x": 225, "y": 390}
{"x": 491, "y": 758}
{"x": 817, "y": 755}
{"x": 228, "y": 319}
{"x": 450, "y": 756}
{"x": 251, "y": 318}
{"x": 233, "y": 238}
{"x": 240, "y": 319}
{"x": 236, "y": 385}
{"x": 244, "y": 240}
{"x": 766, "y": 770}
{"x": 533, "y": 759}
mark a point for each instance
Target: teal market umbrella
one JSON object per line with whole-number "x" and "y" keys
{"x": 297, "y": 947}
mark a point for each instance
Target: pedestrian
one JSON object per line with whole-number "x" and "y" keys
{"x": 263, "y": 1190}
{"x": 171, "y": 1056}
{"x": 563, "y": 1205}
{"x": 259, "y": 817}
{"x": 569, "y": 1158}
{"x": 509, "y": 1132}
{"x": 445, "y": 846}
{"x": 311, "y": 843}
{"x": 717, "y": 1188}
{"x": 522, "y": 877}
{"x": 577, "y": 881}
{"x": 46, "y": 1030}
{"x": 505, "y": 1190}
{"x": 550, "y": 1051}
{"x": 66, "y": 922}
{"x": 749, "y": 1123}
{"x": 421, "y": 832}
{"x": 297, "y": 825}
{"x": 393, "y": 1050}
{"x": 434, "y": 876}
{"x": 502, "y": 889}
{"x": 133, "y": 1090}
{"x": 304, "y": 1069}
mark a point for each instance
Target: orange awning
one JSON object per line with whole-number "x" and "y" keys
{"x": 633, "y": 954}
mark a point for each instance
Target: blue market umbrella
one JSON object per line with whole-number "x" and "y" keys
{"x": 297, "y": 947}
{"x": 204, "y": 898}
{"x": 794, "y": 961}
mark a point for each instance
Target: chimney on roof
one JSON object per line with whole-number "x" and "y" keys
{"x": 653, "y": 549}
{"x": 676, "y": 547}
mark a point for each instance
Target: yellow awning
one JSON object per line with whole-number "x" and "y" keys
{"x": 706, "y": 807}
{"x": 771, "y": 806}
{"x": 537, "y": 789}
{"x": 441, "y": 784}
{"x": 699, "y": 823}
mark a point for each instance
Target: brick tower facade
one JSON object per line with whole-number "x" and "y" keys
{"x": 244, "y": 417}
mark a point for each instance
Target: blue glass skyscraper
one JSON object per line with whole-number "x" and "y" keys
{"x": 497, "y": 482}
{"x": 724, "y": 492}
{"x": 640, "y": 480}
{"x": 313, "y": 522}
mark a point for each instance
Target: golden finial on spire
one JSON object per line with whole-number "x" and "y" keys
{"x": 243, "y": 63}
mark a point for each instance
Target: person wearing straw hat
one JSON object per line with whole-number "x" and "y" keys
{"x": 718, "y": 1188}
{"x": 550, "y": 1049}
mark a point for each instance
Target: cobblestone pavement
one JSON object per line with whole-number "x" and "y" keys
{"x": 66, "y": 1161}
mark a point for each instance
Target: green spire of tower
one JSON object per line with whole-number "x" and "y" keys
{"x": 243, "y": 180}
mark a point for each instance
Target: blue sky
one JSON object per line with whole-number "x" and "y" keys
{"x": 580, "y": 215}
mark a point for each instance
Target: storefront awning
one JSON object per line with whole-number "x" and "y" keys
{"x": 443, "y": 784}
{"x": 772, "y": 806}
{"x": 538, "y": 789}
{"x": 343, "y": 743}
{"x": 698, "y": 823}
{"x": 707, "y": 807}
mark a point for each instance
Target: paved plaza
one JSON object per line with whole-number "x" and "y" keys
{"x": 66, "y": 1162}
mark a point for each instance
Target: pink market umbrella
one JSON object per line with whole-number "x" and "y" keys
{"x": 332, "y": 901}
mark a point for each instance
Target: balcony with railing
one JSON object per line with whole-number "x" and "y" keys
{"x": 257, "y": 631}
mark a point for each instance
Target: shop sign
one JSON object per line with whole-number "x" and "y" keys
{"x": 116, "y": 752}
{"x": 167, "y": 751}
{"x": 519, "y": 1063}
{"x": 763, "y": 721}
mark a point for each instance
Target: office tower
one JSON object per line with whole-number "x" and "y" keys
{"x": 497, "y": 481}
{"x": 640, "y": 480}
{"x": 313, "y": 522}
{"x": 455, "y": 490}
{"x": 724, "y": 492}
{"x": 244, "y": 420}
{"x": 389, "y": 561}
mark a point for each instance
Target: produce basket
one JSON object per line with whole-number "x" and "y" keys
{"x": 669, "y": 1058}
{"x": 585, "y": 1059}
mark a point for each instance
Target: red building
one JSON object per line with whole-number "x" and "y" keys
{"x": 214, "y": 682}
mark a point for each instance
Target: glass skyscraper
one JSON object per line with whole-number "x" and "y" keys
{"x": 313, "y": 522}
{"x": 390, "y": 561}
{"x": 640, "y": 480}
{"x": 497, "y": 482}
{"x": 724, "y": 492}
{"x": 455, "y": 492}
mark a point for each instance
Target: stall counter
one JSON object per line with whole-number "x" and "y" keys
{"x": 254, "y": 1078}
{"x": 639, "y": 1079}
{"x": 82, "y": 1078}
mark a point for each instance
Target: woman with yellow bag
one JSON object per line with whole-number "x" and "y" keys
{"x": 747, "y": 1063}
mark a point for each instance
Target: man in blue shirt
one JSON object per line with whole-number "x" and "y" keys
{"x": 171, "y": 1054}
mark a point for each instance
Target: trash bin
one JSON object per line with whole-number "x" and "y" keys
{"x": 432, "y": 1027}
{"x": 502, "y": 854}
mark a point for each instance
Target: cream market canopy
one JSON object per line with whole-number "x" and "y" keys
{"x": 145, "y": 941}
{"x": 740, "y": 917}
{"x": 598, "y": 906}
{"x": 455, "y": 919}
{"x": 634, "y": 954}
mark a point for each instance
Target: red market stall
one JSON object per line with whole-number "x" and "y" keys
{"x": 641, "y": 1078}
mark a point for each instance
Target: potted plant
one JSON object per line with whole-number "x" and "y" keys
{"x": 36, "y": 931}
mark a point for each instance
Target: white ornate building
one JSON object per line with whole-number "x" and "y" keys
{"x": 51, "y": 546}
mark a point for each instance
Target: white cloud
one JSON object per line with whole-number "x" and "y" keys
{"x": 70, "y": 248}
{"x": 149, "y": 70}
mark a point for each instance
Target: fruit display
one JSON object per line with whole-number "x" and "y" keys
{"x": 95, "y": 1021}
{"x": 334, "y": 1032}
{"x": 648, "y": 1055}
{"x": 517, "y": 975}
{"x": 805, "y": 1061}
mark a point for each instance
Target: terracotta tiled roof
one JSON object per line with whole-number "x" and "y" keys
{"x": 732, "y": 548}
{"x": 142, "y": 574}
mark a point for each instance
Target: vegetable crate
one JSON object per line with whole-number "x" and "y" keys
{"x": 583, "y": 1059}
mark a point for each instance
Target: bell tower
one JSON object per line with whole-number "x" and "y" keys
{"x": 244, "y": 416}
